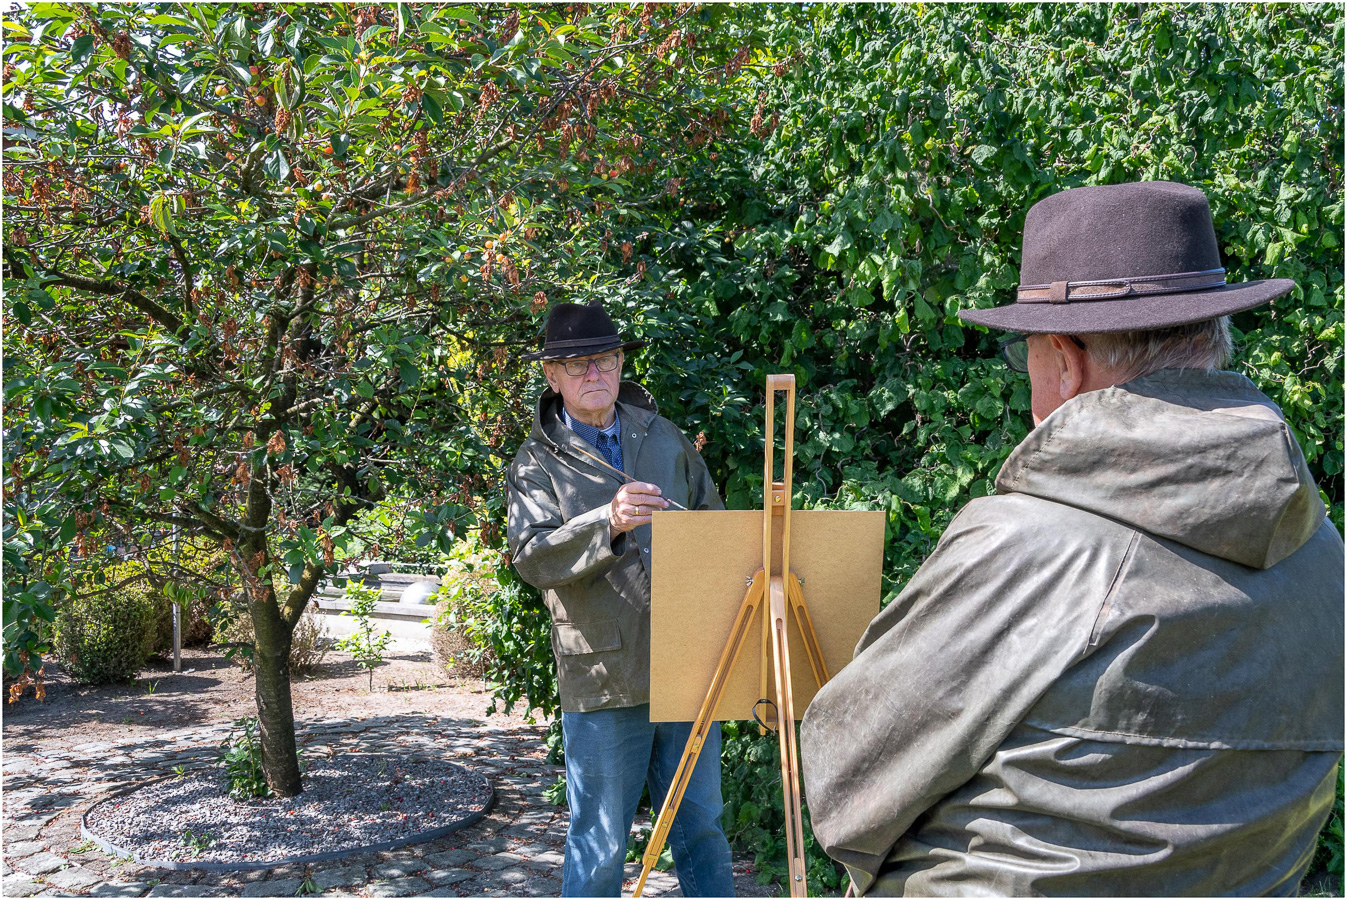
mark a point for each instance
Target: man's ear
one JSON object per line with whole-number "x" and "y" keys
{"x": 1070, "y": 361}
{"x": 547, "y": 373}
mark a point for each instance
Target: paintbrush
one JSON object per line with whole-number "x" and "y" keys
{"x": 624, "y": 476}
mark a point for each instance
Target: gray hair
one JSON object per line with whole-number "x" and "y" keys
{"x": 1133, "y": 354}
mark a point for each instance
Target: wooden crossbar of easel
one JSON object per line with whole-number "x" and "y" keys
{"x": 784, "y": 596}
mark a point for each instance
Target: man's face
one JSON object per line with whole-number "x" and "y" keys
{"x": 589, "y": 397}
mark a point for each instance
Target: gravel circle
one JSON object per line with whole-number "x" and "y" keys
{"x": 350, "y": 803}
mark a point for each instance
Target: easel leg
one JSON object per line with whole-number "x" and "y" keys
{"x": 811, "y": 645}
{"x": 785, "y": 731}
{"x": 738, "y": 632}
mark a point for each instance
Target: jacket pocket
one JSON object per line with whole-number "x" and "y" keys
{"x": 573, "y": 638}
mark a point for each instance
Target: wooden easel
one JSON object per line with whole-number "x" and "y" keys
{"x": 783, "y": 592}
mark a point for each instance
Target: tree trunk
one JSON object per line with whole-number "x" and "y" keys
{"x": 271, "y": 665}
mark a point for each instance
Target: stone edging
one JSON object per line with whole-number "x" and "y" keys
{"x": 113, "y": 850}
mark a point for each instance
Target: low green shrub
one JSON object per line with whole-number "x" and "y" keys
{"x": 469, "y": 576}
{"x": 107, "y": 634}
{"x": 241, "y": 757}
{"x": 508, "y": 629}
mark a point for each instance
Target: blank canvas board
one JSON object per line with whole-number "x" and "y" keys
{"x": 700, "y": 562}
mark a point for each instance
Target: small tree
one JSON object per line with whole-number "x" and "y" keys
{"x": 364, "y": 644}
{"x": 265, "y": 266}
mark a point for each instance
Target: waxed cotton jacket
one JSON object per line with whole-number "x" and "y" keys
{"x": 597, "y": 589}
{"x": 1121, "y": 675}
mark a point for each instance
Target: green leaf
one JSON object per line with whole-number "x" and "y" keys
{"x": 82, "y": 49}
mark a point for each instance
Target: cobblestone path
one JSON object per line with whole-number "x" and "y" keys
{"x": 516, "y": 850}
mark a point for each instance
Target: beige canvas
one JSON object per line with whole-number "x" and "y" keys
{"x": 700, "y": 563}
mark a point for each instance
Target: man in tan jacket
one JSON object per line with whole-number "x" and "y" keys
{"x": 582, "y": 490}
{"x": 1121, "y": 675}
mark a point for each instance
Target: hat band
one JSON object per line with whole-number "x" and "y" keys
{"x": 1113, "y": 288}
{"x": 581, "y": 342}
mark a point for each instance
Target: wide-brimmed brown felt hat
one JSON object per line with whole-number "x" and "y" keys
{"x": 1122, "y": 257}
{"x": 575, "y": 329}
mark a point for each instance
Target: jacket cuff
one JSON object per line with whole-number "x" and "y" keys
{"x": 601, "y": 549}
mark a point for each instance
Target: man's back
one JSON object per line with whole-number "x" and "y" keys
{"x": 1126, "y": 683}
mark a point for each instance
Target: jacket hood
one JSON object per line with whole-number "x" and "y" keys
{"x": 1201, "y": 458}
{"x": 549, "y": 427}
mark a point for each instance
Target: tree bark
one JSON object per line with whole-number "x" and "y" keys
{"x": 271, "y": 665}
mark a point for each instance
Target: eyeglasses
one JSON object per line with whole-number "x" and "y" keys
{"x": 1015, "y": 350}
{"x": 578, "y": 367}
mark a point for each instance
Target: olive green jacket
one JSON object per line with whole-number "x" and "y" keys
{"x": 597, "y": 589}
{"x": 1122, "y": 675}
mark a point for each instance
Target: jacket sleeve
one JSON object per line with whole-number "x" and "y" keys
{"x": 546, "y": 551}
{"x": 942, "y": 676}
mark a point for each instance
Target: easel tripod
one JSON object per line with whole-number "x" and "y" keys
{"x": 783, "y": 592}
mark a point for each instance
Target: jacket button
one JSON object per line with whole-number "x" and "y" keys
{"x": 647, "y": 549}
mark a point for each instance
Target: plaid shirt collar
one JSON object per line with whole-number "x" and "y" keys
{"x": 591, "y": 435}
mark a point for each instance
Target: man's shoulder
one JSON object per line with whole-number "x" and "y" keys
{"x": 1029, "y": 525}
{"x": 528, "y": 456}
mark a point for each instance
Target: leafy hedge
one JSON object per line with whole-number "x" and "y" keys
{"x": 895, "y": 153}
{"x": 107, "y": 634}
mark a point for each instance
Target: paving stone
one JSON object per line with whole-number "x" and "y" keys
{"x": 447, "y": 859}
{"x": 442, "y": 892}
{"x": 75, "y": 878}
{"x": 119, "y": 889}
{"x": 18, "y": 833}
{"x": 5, "y": 868}
{"x": 490, "y": 845}
{"x": 346, "y": 876}
{"x": 41, "y": 863}
{"x": 448, "y": 876}
{"x": 551, "y": 859}
{"x": 282, "y": 887}
{"x": 493, "y": 863}
{"x": 398, "y": 887}
{"x": 20, "y": 849}
{"x": 19, "y": 886}
{"x": 513, "y": 876}
{"x": 397, "y": 868}
{"x": 184, "y": 890}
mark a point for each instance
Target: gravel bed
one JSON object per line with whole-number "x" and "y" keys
{"x": 350, "y": 802}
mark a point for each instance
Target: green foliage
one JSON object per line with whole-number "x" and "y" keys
{"x": 508, "y": 627}
{"x": 1326, "y": 869}
{"x": 107, "y": 634}
{"x": 365, "y": 644}
{"x": 555, "y": 793}
{"x": 194, "y": 843}
{"x": 241, "y": 758}
{"x": 753, "y": 817}
{"x": 891, "y": 194}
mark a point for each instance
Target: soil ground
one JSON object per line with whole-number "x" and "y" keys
{"x": 212, "y": 688}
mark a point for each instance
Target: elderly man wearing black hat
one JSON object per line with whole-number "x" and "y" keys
{"x": 582, "y": 489}
{"x": 1123, "y": 673}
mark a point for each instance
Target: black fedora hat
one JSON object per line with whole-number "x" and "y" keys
{"x": 574, "y": 329}
{"x": 1122, "y": 257}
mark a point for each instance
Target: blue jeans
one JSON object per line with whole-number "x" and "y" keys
{"x": 610, "y": 755}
